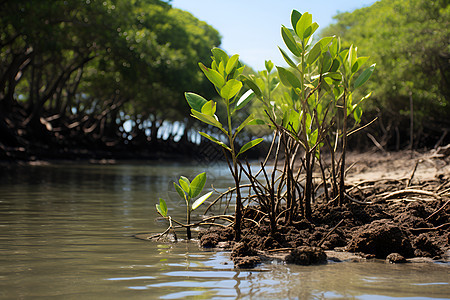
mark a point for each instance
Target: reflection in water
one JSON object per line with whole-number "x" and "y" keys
{"x": 66, "y": 232}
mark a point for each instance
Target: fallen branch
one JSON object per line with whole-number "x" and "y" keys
{"x": 329, "y": 232}
{"x": 402, "y": 193}
{"x": 431, "y": 229}
{"x": 437, "y": 211}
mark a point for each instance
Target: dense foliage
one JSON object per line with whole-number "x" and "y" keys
{"x": 72, "y": 73}
{"x": 409, "y": 40}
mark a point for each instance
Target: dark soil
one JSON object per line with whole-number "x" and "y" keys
{"x": 387, "y": 226}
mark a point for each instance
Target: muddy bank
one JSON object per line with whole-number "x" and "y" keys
{"x": 398, "y": 210}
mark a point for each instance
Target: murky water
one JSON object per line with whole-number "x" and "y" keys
{"x": 66, "y": 233}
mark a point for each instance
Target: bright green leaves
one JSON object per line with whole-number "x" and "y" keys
{"x": 245, "y": 98}
{"x": 288, "y": 78}
{"x": 249, "y": 145}
{"x": 200, "y": 200}
{"x": 290, "y": 42}
{"x": 215, "y": 77}
{"x": 197, "y": 185}
{"x": 161, "y": 208}
{"x": 195, "y": 101}
{"x": 213, "y": 139}
{"x": 231, "y": 88}
{"x": 187, "y": 190}
{"x": 364, "y": 76}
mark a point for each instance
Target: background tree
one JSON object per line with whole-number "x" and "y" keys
{"x": 73, "y": 72}
{"x": 409, "y": 40}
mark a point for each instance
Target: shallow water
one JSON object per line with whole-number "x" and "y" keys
{"x": 66, "y": 232}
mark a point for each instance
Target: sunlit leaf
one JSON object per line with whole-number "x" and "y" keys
{"x": 253, "y": 86}
{"x": 364, "y": 76}
{"x": 197, "y": 184}
{"x": 184, "y": 183}
{"x": 250, "y": 145}
{"x": 219, "y": 55}
{"x": 290, "y": 42}
{"x": 288, "y": 78}
{"x": 179, "y": 190}
{"x": 286, "y": 57}
{"x": 211, "y": 120}
{"x": 213, "y": 76}
{"x": 245, "y": 98}
{"x": 232, "y": 63}
{"x": 195, "y": 101}
{"x": 295, "y": 16}
{"x": 314, "y": 53}
{"x": 213, "y": 139}
{"x": 268, "y": 65}
{"x": 230, "y": 89}
{"x": 209, "y": 108}
{"x": 200, "y": 200}
{"x": 358, "y": 63}
{"x": 303, "y": 24}
{"x": 162, "y": 207}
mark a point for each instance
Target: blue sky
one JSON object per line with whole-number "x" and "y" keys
{"x": 251, "y": 28}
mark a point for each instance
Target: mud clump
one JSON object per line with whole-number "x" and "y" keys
{"x": 395, "y": 258}
{"x": 244, "y": 256}
{"x": 306, "y": 256}
{"x": 211, "y": 238}
{"x": 425, "y": 247}
{"x": 380, "y": 238}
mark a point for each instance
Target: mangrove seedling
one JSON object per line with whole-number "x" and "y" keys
{"x": 186, "y": 190}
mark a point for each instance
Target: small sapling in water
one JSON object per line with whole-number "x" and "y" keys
{"x": 186, "y": 190}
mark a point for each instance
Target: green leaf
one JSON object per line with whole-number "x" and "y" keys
{"x": 333, "y": 75}
{"x": 195, "y": 101}
{"x": 295, "y": 16}
{"x": 364, "y": 76}
{"x": 335, "y": 65}
{"x": 286, "y": 57}
{"x": 231, "y": 88}
{"x": 232, "y": 63}
{"x": 200, "y": 200}
{"x": 184, "y": 183}
{"x": 252, "y": 85}
{"x": 326, "y": 40}
{"x": 312, "y": 138}
{"x": 291, "y": 121}
{"x": 219, "y": 55}
{"x": 211, "y": 120}
{"x": 326, "y": 62}
{"x": 213, "y": 139}
{"x": 245, "y": 98}
{"x": 243, "y": 124}
{"x": 290, "y": 42}
{"x": 179, "y": 190}
{"x": 209, "y": 108}
{"x": 197, "y": 184}
{"x": 303, "y": 24}
{"x": 268, "y": 65}
{"x": 358, "y": 63}
{"x": 314, "y": 53}
{"x": 213, "y": 76}
{"x": 288, "y": 78}
{"x": 256, "y": 122}
{"x": 250, "y": 145}
{"x": 357, "y": 113}
{"x": 162, "y": 207}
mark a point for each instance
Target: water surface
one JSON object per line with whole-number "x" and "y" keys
{"x": 66, "y": 232}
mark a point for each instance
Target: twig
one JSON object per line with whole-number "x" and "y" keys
{"x": 378, "y": 145}
{"x": 412, "y": 174}
{"x": 329, "y": 232}
{"x": 431, "y": 229}
{"x": 437, "y": 211}
{"x": 356, "y": 201}
{"x": 409, "y": 192}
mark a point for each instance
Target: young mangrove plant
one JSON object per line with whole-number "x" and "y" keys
{"x": 225, "y": 74}
{"x": 186, "y": 190}
{"x": 313, "y": 105}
